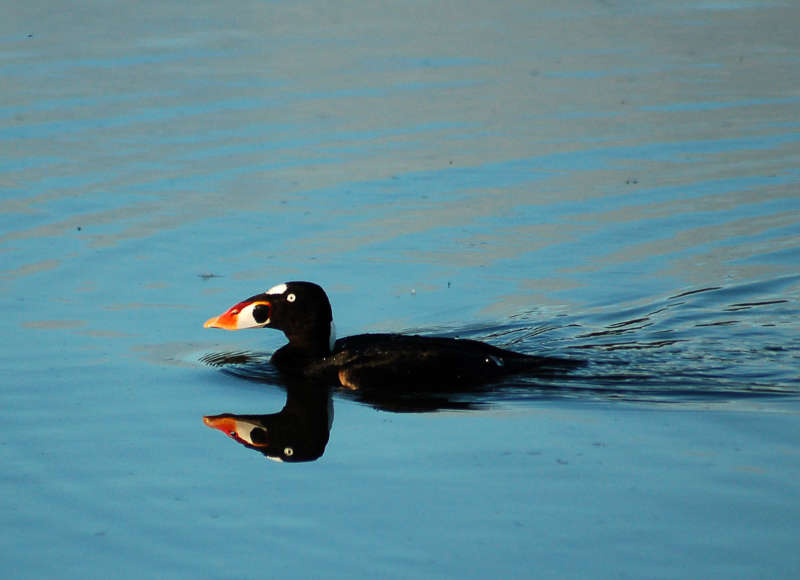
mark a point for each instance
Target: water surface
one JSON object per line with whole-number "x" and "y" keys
{"x": 611, "y": 181}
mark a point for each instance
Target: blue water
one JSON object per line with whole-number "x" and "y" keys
{"x": 612, "y": 183}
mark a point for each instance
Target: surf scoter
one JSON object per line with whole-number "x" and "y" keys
{"x": 303, "y": 312}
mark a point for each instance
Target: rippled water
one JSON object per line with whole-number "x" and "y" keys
{"x": 616, "y": 182}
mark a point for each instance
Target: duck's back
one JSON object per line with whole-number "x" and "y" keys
{"x": 384, "y": 359}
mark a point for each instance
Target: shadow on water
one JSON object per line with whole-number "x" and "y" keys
{"x": 699, "y": 346}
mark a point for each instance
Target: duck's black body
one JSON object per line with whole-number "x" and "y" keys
{"x": 302, "y": 311}
{"x": 369, "y": 359}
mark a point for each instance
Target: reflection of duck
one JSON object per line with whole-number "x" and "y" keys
{"x": 302, "y": 311}
{"x": 299, "y": 432}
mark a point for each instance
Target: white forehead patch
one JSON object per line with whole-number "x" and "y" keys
{"x": 279, "y": 289}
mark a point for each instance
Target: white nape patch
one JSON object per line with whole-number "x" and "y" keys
{"x": 332, "y": 339}
{"x": 279, "y": 289}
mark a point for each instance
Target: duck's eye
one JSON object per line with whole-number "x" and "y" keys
{"x": 291, "y": 298}
{"x": 258, "y": 436}
{"x": 288, "y": 451}
{"x": 261, "y": 313}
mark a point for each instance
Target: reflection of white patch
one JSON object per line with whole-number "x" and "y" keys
{"x": 279, "y": 289}
{"x": 332, "y": 339}
{"x": 243, "y": 430}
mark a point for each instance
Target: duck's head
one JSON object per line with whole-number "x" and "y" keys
{"x": 300, "y": 309}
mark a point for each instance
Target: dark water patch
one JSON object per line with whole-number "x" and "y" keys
{"x": 748, "y": 305}
{"x": 698, "y": 291}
